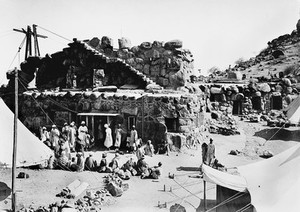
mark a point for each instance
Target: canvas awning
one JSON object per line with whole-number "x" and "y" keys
{"x": 234, "y": 182}
{"x": 98, "y": 114}
{"x": 274, "y": 183}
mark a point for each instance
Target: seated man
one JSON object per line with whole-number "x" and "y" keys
{"x": 103, "y": 163}
{"x": 142, "y": 167}
{"x": 128, "y": 166}
{"x": 90, "y": 164}
{"x": 156, "y": 171}
{"x": 80, "y": 162}
{"x": 63, "y": 161}
{"x": 114, "y": 164}
{"x": 149, "y": 149}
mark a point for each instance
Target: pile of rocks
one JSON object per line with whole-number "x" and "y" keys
{"x": 93, "y": 200}
{"x": 276, "y": 119}
{"x": 222, "y": 123}
{"x": 115, "y": 185}
{"x": 168, "y": 63}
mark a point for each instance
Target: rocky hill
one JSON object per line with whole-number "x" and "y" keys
{"x": 279, "y": 59}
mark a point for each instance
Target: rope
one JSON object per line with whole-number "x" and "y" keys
{"x": 274, "y": 134}
{"x": 186, "y": 189}
{"x": 55, "y": 34}
{"x": 19, "y": 49}
{"x": 235, "y": 196}
{"x": 36, "y": 102}
{"x": 244, "y": 208}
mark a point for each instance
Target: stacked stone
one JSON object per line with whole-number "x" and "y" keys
{"x": 168, "y": 63}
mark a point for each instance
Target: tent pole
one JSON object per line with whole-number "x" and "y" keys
{"x": 14, "y": 160}
{"x": 204, "y": 194}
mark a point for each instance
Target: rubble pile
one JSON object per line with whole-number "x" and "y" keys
{"x": 222, "y": 123}
{"x": 276, "y": 119}
{"x": 115, "y": 185}
{"x": 93, "y": 200}
{"x": 168, "y": 63}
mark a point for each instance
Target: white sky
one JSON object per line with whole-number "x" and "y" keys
{"x": 217, "y": 32}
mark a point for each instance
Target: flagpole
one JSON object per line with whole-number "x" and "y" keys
{"x": 14, "y": 159}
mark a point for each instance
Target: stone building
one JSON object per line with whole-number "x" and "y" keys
{"x": 96, "y": 84}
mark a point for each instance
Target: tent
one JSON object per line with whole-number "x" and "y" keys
{"x": 273, "y": 184}
{"x": 231, "y": 190}
{"x": 293, "y": 111}
{"x": 30, "y": 150}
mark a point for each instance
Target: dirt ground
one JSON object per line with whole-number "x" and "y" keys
{"x": 143, "y": 195}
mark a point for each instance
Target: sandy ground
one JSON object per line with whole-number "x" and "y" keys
{"x": 143, "y": 195}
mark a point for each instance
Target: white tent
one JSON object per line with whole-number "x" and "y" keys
{"x": 30, "y": 150}
{"x": 293, "y": 111}
{"x": 273, "y": 184}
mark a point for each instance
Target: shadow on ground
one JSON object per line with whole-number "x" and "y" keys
{"x": 279, "y": 134}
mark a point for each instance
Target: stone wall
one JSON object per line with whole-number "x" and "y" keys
{"x": 63, "y": 107}
{"x": 168, "y": 64}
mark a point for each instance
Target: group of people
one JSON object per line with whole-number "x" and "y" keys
{"x": 69, "y": 139}
{"x": 124, "y": 171}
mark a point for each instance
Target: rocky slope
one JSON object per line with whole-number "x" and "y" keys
{"x": 281, "y": 55}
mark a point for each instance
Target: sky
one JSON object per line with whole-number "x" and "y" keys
{"x": 217, "y": 32}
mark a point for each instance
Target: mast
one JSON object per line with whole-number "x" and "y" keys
{"x": 14, "y": 159}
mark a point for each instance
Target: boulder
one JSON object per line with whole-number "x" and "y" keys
{"x": 146, "y": 45}
{"x": 94, "y": 42}
{"x": 124, "y": 43}
{"x": 177, "y": 208}
{"x": 173, "y": 44}
{"x": 298, "y": 26}
{"x": 106, "y": 42}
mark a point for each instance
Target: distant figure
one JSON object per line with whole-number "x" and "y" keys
{"x": 204, "y": 152}
{"x": 45, "y": 136}
{"x": 156, "y": 171}
{"x": 133, "y": 138}
{"x": 108, "y": 137}
{"x": 115, "y": 163}
{"x": 103, "y": 163}
{"x": 72, "y": 136}
{"x": 139, "y": 152}
{"x": 65, "y": 131}
{"x": 82, "y": 131}
{"x": 210, "y": 152}
{"x": 80, "y": 162}
{"x": 54, "y": 138}
{"x": 118, "y": 133}
{"x": 90, "y": 164}
{"x": 149, "y": 149}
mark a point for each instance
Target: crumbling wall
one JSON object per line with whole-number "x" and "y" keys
{"x": 168, "y": 64}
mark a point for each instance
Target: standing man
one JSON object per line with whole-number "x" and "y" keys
{"x": 65, "y": 131}
{"x": 204, "y": 147}
{"x": 108, "y": 137}
{"x": 54, "y": 138}
{"x": 210, "y": 152}
{"x": 72, "y": 136}
{"x": 133, "y": 138}
{"x": 82, "y": 132}
{"x": 45, "y": 136}
{"x": 118, "y": 133}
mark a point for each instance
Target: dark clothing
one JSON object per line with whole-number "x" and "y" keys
{"x": 90, "y": 164}
{"x": 103, "y": 165}
{"x": 204, "y": 148}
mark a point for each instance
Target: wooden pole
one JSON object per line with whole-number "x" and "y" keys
{"x": 204, "y": 194}
{"x": 14, "y": 159}
{"x": 143, "y": 116}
